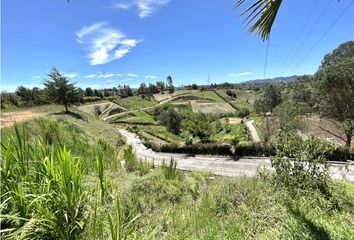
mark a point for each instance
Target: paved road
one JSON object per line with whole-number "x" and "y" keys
{"x": 253, "y": 131}
{"x": 223, "y": 166}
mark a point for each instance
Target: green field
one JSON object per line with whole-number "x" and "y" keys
{"x": 208, "y": 95}
{"x": 135, "y": 102}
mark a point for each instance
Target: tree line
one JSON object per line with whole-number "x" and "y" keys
{"x": 329, "y": 93}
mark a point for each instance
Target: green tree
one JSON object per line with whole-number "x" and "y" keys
{"x": 173, "y": 121}
{"x": 59, "y": 90}
{"x": 269, "y": 100}
{"x": 237, "y": 138}
{"x": 89, "y": 92}
{"x": 343, "y": 51}
{"x": 199, "y": 125}
{"x": 160, "y": 86}
{"x": 170, "y": 87}
{"x": 336, "y": 90}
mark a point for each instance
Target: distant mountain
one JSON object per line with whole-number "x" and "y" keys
{"x": 272, "y": 80}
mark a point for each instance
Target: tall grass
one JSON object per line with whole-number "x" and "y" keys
{"x": 42, "y": 184}
{"x": 170, "y": 171}
{"x": 130, "y": 159}
{"x": 100, "y": 170}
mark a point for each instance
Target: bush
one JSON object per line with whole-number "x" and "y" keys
{"x": 302, "y": 164}
{"x": 253, "y": 149}
{"x": 243, "y": 112}
{"x": 97, "y": 110}
{"x": 341, "y": 154}
{"x": 231, "y": 93}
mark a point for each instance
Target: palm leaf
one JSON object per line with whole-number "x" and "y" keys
{"x": 260, "y": 15}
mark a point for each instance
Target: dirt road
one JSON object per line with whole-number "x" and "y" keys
{"x": 253, "y": 131}
{"x": 223, "y": 166}
{"x": 20, "y": 116}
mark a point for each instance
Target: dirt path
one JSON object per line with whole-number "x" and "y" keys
{"x": 223, "y": 166}
{"x": 253, "y": 131}
{"x": 20, "y": 116}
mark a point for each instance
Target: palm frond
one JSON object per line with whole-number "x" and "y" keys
{"x": 260, "y": 15}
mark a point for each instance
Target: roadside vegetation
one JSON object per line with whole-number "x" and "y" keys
{"x": 58, "y": 182}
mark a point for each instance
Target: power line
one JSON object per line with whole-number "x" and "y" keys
{"x": 309, "y": 33}
{"x": 266, "y": 58}
{"x": 299, "y": 34}
{"x": 323, "y": 35}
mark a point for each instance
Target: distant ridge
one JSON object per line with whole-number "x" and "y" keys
{"x": 288, "y": 79}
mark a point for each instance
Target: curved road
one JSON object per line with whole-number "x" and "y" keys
{"x": 223, "y": 166}
{"x": 253, "y": 131}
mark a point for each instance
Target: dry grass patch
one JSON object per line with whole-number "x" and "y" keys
{"x": 211, "y": 108}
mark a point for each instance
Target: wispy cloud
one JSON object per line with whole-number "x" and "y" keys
{"x": 108, "y": 75}
{"x": 240, "y": 74}
{"x": 145, "y": 8}
{"x": 104, "y": 42}
{"x": 94, "y": 75}
{"x": 132, "y": 75}
{"x": 150, "y": 77}
{"x": 71, "y": 75}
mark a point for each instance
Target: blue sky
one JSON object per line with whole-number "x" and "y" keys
{"x": 105, "y": 43}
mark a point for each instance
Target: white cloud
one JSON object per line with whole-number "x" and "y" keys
{"x": 145, "y": 8}
{"x": 132, "y": 75}
{"x": 71, "y": 75}
{"x": 240, "y": 74}
{"x": 94, "y": 75}
{"x": 36, "y": 77}
{"x": 104, "y": 43}
{"x": 121, "y": 5}
{"x": 103, "y": 75}
{"x": 150, "y": 77}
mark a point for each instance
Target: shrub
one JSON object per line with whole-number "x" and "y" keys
{"x": 243, "y": 112}
{"x": 302, "y": 164}
{"x": 97, "y": 110}
{"x": 253, "y": 149}
{"x": 231, "y": 93}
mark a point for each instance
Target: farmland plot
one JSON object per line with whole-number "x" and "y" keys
{"x": 211, "y": 107}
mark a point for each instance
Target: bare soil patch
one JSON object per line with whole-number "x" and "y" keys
{"x": 18, "y": 116}
{"x": 324, "y": 128}
{"x": 235, "y": 120}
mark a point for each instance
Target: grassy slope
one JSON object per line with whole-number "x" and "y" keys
{"x": 208, "y": 95}
{"x": 245, "y": 98}
{"x": 140, "y": 117}
{"x": 197, "y": 206}
{"x": 90, "y": 124}
{"x": 135, "y": 102}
